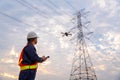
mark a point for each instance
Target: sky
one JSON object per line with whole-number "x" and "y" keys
{"x": 48, "y": 18}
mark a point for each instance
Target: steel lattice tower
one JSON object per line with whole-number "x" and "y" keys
{"x": 82, "y": 67}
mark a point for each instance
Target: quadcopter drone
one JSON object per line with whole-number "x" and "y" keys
{"x": 66, "y": 34}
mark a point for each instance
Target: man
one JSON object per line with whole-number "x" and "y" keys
{"x": 29, "y": 59}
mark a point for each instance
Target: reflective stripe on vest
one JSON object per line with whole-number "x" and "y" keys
{"x": 28, "y": 67}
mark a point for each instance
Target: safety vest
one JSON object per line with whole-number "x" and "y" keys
{"x": 24, "y": 66}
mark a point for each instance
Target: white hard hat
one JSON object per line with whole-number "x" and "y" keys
{"x": 32, "y": 35}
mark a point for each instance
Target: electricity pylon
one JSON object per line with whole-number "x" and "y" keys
{"x": 82, "y": 67}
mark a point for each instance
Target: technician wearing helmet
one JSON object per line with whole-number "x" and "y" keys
{"x": 29, "y": 59}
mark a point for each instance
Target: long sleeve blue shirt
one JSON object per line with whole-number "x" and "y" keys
{"x": 30, "y": 56}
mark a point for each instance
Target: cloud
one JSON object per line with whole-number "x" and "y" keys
{"x": 105, "y": 55}
{"x": 101, "y": 3}
{"x": 7, "y": 75}
{"x": 101, "y": 67}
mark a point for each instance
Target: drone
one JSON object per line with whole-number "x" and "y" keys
{"x": 66, "y": 34}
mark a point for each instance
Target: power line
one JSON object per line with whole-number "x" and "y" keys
{"x": 17, "y": 20}
{"x": 28, "y": 5}
{"x": 48, "y": 6}
{"x": 13, "y": 18}
{"x": 52, "y": 3}
{"x": 22, "y": 4}
{"x": 53, "y": 9}
{"x": 33, "y": 7}
{"x": 70, "y": 5}
{"x": 55, "y": 5}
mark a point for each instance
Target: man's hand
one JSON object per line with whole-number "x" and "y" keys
{"x": 44, "y": 58}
